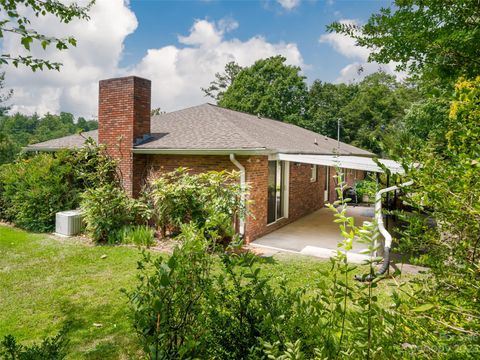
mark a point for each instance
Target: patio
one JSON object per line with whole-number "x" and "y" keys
{"x": 315, "y": 234}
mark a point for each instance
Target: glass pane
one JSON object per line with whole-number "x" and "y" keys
{"x": 279, "y": 193}
{"x": 272, "y": 190}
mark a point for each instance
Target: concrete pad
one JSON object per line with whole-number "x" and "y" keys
{"x": 316, "y": 230}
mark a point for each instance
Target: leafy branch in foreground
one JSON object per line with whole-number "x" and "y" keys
{"x": 17, "y": 23}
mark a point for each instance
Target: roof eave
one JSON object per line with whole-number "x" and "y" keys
{"x": 239, "y": 151}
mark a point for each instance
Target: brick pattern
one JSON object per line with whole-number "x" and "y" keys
{"x": 304, "y": 196}
{"x": 123, "y": 116}
{"x": 350, "y": 175}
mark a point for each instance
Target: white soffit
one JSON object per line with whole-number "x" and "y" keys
{"x": 346, "y": 162}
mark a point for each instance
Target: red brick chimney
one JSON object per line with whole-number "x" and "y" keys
{"x": 124, "y": 119}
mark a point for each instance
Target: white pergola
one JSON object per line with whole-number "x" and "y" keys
{"x": 346, "y": 162}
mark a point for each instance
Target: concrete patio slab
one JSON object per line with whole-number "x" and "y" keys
{"x": 315, "y": 235}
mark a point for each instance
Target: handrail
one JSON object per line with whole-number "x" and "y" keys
{"x": 381, "y": 229}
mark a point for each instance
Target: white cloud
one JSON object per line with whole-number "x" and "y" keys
{"x": 360, "y": 68}
{"x": 74, "y": 88}
{"x": 177, "y": 72}
{"x": 289, "y": 4}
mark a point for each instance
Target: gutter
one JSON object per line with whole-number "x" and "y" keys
{"x": 383, "y": 231}
{"x": 243, "y": 187}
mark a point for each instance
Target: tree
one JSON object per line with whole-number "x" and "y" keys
{"x": 437, "y": 40}
{"x": 379, "y": 105}
{"x": 325, "y": 106}
{"x": 222, "y": 81}
{"x": 366, "y": 110}
{"x": 17, "y": 23}
{"x": 268, "y": 88}
{"x": 17, "y": 131}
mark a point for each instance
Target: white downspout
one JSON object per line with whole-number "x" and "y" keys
{"x": 243, "y": 188}
{"x": 383, "y": 231}
{"x": 378, "y": 212}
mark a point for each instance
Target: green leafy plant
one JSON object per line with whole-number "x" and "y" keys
{"x": 211, "y": 200}
{"x": 141, "y": 235}
{"x": 106, "y": 209}
{"x": 52, "y": 348}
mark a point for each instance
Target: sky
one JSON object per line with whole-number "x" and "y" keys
{"x": 180, "y": 45}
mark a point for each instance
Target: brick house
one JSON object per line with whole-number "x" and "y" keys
{"x": 289, "y": 170}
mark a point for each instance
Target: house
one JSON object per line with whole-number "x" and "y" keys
{"x": 290, "y": 170}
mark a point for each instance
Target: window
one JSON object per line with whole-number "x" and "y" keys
{"x": 276, "y": 191}
{"x": 313, "y": 177}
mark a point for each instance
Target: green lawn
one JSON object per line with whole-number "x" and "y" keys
{"x": 46, "y": 282}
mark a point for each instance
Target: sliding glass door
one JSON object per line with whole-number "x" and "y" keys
{"x": 276, "y": 191}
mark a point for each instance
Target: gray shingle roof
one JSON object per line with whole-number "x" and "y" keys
{"x": 207, "y": 127}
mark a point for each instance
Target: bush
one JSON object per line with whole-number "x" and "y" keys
{"x": 141, "y": 235}
{"x": 211, "y": 199}
{"x": 107, "y": 209}
{"x": 34, "y": 188}
{"x": 53, "y": 348}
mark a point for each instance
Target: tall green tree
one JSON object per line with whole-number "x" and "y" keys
{"x": 437, "y": 40}
{"x": 268, "y": 88}
{"x": 366, "y": 110}
{"x": 222, "y": 81}
{"x": 17, "y": 22}
{"x": 326, "y": 102}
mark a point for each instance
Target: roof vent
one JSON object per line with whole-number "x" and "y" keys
{"x": 315, "y": 141}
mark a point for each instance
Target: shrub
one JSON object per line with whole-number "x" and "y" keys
{"x": 141, "y": 235}
{"x": 106, "y": 209}
{"x": 211, "y": 199}
{"x": 53, "y": 348}
{"x": 169, "y": 300}
{"x": 34, "y": 188}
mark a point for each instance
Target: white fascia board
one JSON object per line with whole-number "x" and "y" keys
{"x": 346, "y": 162}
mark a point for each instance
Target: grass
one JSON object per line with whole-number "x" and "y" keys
{"x": 46, "y": 282}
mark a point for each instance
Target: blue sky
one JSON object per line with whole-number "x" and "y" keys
{"x": 160, "y": 23}
{"x": 180, "y": 45}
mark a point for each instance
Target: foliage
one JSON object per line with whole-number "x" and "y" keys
{"x": 366, "y": 187}
{"x": 106, "y": 210}
{"x": 54, "y": 348}
{"x": 435, "y": 39}
{"x": 268, "y": 88}
{"x": 424, "y": 122}
{"x": 4, "y": 96}
{"x": 17, "y": 23}
{"x": 141, "y": 235}
{"x": 167, "y": 302}
{"x": 17, "y": 131}
{"x": 366, "y": 110}
{"x": 453, "y": 198}
{"x": 326, "y": 102}
{"x": 222, "y": 81}
{"x": 211, "y": 200}
{"x": 33, "y": 189}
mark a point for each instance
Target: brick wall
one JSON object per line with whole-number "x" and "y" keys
{"x": 123, "y": 116}
{"x": 350, "y": 176}
{"x": 304, "y": 196}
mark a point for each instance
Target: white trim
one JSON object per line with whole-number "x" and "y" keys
{"x": 286, "y": 189}
{"x": 346, "y": 162}
{"x": 243, "y": 188}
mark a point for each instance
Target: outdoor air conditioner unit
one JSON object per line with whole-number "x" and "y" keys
{"x": 68, "y": 223}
